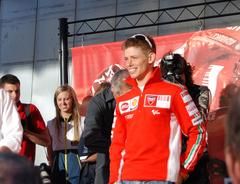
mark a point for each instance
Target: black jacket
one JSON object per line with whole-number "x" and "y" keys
{"x": 98, "y": 122}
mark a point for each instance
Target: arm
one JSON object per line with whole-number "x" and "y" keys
{"x": 92, "y": 133}
{"x": 116, "y": 148}
{"x": 49, "y": 147}
{"x": 11, "y": 130}
{"x": 91, "y": 158}
{"x": 38, "y": 133}
{"x": 192, "y": 126}
{"x": 50, "y": 155}
{"x": 41, "y": 138}
{"x": 4, "y": 149}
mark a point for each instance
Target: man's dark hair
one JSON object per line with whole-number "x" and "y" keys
{"x": 102, "y": 86}
{"x": 18, "y": 170}
{"x": 9, "y": 79}
{"x": 232, "y": 140}
{"x": 173, "y": 65}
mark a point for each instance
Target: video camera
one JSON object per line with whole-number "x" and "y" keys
{"x": 172, "y": 67}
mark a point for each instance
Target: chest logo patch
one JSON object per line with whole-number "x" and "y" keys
{"x": 160, "y": 101}
{"x": 151, "y": 100}
{"x": 128, "y": 105}
{"x": 134, "y": 103}
{"x": 155, "y": 112}
{"x": 124, "y": 106}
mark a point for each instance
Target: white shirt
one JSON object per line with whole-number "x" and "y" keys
{"x": 11, "y": 130}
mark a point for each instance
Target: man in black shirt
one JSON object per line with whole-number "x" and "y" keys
{"x": 98, "y": 124}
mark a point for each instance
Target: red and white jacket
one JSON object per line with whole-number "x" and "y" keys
{"x": 147, "y": 131}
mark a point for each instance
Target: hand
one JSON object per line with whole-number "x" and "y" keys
{"x": 91, "y": 158}
{"x": 179, "y": 179}
{"x": 74, "y": 143}
{"x": 26, "y": 133}
{"x": 4, "y": 149}
{"x": 50, "y": 161}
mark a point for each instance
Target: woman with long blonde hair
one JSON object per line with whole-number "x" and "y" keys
{"x": 65, "y": 131}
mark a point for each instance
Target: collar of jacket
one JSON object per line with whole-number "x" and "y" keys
{"x": 19, "y": 105}
{"x": 68, "y": 120}
{"x": 155, "y": 77}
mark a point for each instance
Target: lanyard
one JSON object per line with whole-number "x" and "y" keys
{"x": 65, "y": 149}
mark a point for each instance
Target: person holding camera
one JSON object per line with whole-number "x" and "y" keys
{"x": 174, "y": 68}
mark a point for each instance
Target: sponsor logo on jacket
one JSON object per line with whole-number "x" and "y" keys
{"x": 129, "y": 105}
{"x": 129, "y": 116}
{"x": 197, "y": 119}
{"x": 155, "y": 112}
{"x": 160, "y": 101}
{"x": 191, "y": 108}
{"x": 185, "y": 96}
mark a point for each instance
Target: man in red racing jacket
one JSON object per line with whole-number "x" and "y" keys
{"x": 146, "y": 143}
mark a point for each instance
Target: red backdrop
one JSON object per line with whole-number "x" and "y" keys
{"x": 214, "y": 53}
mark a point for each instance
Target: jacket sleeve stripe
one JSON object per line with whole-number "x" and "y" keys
{"x": 195, "y": 149}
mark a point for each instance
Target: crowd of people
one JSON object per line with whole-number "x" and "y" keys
{"x": 147, "y": 125}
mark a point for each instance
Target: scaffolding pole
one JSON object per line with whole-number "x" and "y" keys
{"x": 63, "y": 51}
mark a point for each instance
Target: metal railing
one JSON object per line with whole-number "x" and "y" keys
{"x": 173, "y": 15}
